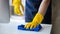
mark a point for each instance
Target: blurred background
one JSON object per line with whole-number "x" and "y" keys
{"x": 55, "y": 17}
{"x": 12, "y": 8}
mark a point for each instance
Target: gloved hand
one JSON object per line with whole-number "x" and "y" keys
{"x": 17, "y": 10}
{"x": 36, "y": 21}
{"x": 16, "y": 4}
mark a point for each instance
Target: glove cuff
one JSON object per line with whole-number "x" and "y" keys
{"x": 38, "y": 18}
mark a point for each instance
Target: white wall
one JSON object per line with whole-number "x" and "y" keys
{"x": 4, "y": 11}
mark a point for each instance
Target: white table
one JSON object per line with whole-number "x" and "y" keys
{"x": 11, "y": 28}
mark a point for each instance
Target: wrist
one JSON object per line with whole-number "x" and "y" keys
{"x": 38, "y": 18}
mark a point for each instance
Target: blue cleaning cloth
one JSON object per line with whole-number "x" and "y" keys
{"x": 21, "y": 27}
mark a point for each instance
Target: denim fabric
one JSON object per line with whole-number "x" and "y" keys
{"x": 31, "y": 9}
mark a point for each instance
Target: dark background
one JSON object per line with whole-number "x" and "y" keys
{"x": 55, "y": 17}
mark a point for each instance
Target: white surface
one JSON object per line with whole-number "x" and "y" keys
{"x": 11, "y": 28}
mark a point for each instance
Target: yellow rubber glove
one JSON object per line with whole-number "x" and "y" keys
{"x": 36, "y": 21}
{"x": 17, "y": 4}
{"x": 17, "y": 11}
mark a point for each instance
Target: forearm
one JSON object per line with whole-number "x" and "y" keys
{"x": 43, "y": 7}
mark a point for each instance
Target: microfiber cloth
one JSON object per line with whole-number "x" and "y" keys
{"x": 21, "y": 27}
